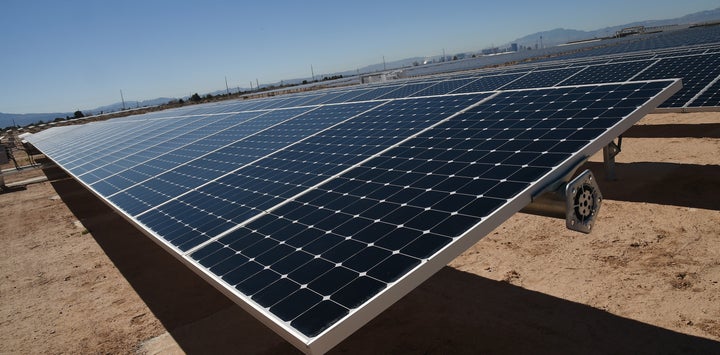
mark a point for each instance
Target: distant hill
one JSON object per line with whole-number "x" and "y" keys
{"x": 24, "y": 119}
{"x": 553, "y": 37}
{"x": 9, "y": 119}
{"x": 561, "y": 35}
{"x": 130, "y": 104}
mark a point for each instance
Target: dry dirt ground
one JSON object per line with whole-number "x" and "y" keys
{"x": 76, "y": 278}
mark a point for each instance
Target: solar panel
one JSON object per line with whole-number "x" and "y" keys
{"x": 607, "y": 73}
{"x": 445, "y": 87}
{"x": 315, "y": 219}
{"x": 542, "y": 78}
{"x": 697, "y": 71}
{"x": 487, "y": 83}
{"x": 696, "y": 75}
{"x": 290, "y": 170}
{"x": 709, "y": 97}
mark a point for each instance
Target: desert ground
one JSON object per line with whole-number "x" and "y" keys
{"x": 75, "y": 277}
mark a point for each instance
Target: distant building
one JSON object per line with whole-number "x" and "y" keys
{"x": 380, "y": 77}
{"x": 513, "y": 47}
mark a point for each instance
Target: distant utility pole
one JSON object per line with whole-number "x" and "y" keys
{"x": 257, "y": 82}
{"x": 312, "y": 72}
{"x": 250, "y": 85}
{"x": 226, "y": 86}
{"x": 122, "y": 99}
{"x": 443, "y": 58}
{"x": 384, "y": 66}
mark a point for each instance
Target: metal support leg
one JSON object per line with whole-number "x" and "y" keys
{"x": 610, "y": 151}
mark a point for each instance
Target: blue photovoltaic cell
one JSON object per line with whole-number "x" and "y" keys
{"x": 322, "y": 255}
{"x": 180, "y": 143}
{"x": 444, "y": 87}
{"x": 607, "y": 73}
{"x": 696, "y": 71}
{"x": 376, "y": 93}
{"x": 407, "y": 90}
{"x": 289, "y": 171}
{"x": 487, "y": 83}
{"x": 710, "y": 97}
{"x": 135, "y": 133}
{"x": 540, "y": 79}
{"x": 155, "y": 162}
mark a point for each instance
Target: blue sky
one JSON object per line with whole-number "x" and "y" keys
{"x": 59, "y": 56}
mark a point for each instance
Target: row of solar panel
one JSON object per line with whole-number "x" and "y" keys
{"x": 113, "y": 168}
{"x": 700, "y": 73}
{"x": 307, "y": 214}
{"x": 699, "y": 69}
{"x": 310, "y": 207}
{"x": 655, "y": 42}
{"x": 139, "y": 166}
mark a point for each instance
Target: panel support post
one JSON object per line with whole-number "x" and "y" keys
{"x": 610, "y": 151}
{"x": 3, "y": 160}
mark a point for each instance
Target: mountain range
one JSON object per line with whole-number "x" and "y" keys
{"x": 549, "y": 38}
{"x": 24, "y": 119}
{"x": 561, "y": 35}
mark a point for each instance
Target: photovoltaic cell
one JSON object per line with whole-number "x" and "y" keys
{"x": 407, "y": 90}
{"x": 445, "y": 87}
{"x": 187, "y": 144}
{"x": 710, "y": 97}
{"x": 697, "y": 72}
{"x": 290, "y": 170}
{"x": 153, "y": 162}
{"x": 174, "y": 179}
{"x": 487, "y": 83}
{"x": 331, "y": 250}
{"x": 316, "y": 218}
{"x": 607, "y": 73}
{"x": 540, "y": 79}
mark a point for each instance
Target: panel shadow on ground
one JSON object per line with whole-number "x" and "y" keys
{"x": 452, "y": 312}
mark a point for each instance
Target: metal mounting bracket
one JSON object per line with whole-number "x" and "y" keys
{"x": 577, "y": 201}
{"x": 610, "y": 151}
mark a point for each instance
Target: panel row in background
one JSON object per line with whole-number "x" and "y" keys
{"x": 700, "y": 72}
{"x": 690, "y": 37}
{"x": 697, "y": 66}
{"x": 676, "y": 38}
{"x": 148, "y": 136}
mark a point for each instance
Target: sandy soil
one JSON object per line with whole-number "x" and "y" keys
{"x": 76, "y": 278}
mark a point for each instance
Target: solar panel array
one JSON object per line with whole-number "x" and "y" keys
{"x": 315, "y": 212}
{"x": 306, "y": 215}
{"x": 698, "y": 66}
{"x": 676, "y": 41}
